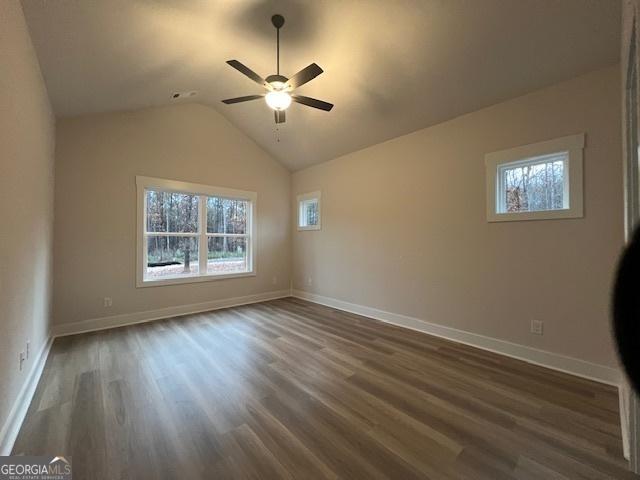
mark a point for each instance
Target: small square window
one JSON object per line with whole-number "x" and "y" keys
{"x": 309, "y": 211}
{"x": 536, "y": 182}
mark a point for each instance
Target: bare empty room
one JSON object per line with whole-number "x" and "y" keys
{"x": 286, "y": 239}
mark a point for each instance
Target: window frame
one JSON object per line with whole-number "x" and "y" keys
{"x": 495, "y": 162}
{"x": 317, "y": 195}
{"x": 203, "y": 191}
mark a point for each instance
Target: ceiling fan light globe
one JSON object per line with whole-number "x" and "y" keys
{"x": 278, "y": 100}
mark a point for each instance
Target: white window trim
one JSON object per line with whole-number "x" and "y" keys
{"x": 572, "y": 144}
{"x": 150, "y": 183}
{"x": 309, "y": 196}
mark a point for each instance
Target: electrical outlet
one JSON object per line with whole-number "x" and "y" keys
{"x": 21, "y": 359}
{"x": 274, "y": 280}
{"x": 28, "y": 349}
{"x": 309, "y": 281}
{"x": 108, "y": 302}
{"x": 537, "y": 327}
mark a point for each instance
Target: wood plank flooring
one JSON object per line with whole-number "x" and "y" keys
{"x": 292, "y": 390}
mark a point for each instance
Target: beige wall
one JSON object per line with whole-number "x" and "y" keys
{"x": 26, "y": 196}
{"x": 404, "y": 226}
{"x": 97, "y": 160}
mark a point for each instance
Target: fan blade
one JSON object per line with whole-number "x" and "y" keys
{"x": 312, "y": 102}
{"x": 303, "y": 76}
{"x": 229, "y": 101}
{"x": 279, "y": 116}
{"x": 249, "y": 73}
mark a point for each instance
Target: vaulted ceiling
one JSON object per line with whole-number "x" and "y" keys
{"x": 391, "y": 67}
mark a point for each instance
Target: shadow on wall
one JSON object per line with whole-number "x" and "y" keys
{"x": 253, "y": 19}
{"x": 301, "y": 25}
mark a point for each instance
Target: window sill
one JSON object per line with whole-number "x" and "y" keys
{"x": 193, "y": 279}
{"x": 540, "y": 215}
{"x": 313, "y": 227}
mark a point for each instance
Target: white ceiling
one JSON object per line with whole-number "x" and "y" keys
{"x": 391, "y": 67}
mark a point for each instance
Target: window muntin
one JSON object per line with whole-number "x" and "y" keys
{"x": 195, "y": 235}
{"x": 540, "y": 181}
{"x": 309, "y": 211}
{"x": 534, "y": 185}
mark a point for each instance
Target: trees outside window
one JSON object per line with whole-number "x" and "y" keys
{"x": 309, "y": 211}
{"x": 534, "y": 186}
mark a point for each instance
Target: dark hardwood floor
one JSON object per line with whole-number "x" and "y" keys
{"x": 289, "y": 389}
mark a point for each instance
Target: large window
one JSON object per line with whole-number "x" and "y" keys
{"x": 536, "y": 182}
{"x": 190, "y": 232}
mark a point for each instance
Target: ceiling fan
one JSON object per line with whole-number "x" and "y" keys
{"x": 278, "y": 87}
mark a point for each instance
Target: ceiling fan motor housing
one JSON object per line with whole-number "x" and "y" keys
{"x": 276, "y": 78}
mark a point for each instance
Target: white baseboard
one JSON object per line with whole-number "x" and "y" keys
{"x": 555, "y": 361}
{"x": 11, "y": 427}
{"x": 113, "y": 321}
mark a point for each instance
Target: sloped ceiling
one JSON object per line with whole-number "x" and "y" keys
{"x": 391, "y": 67}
